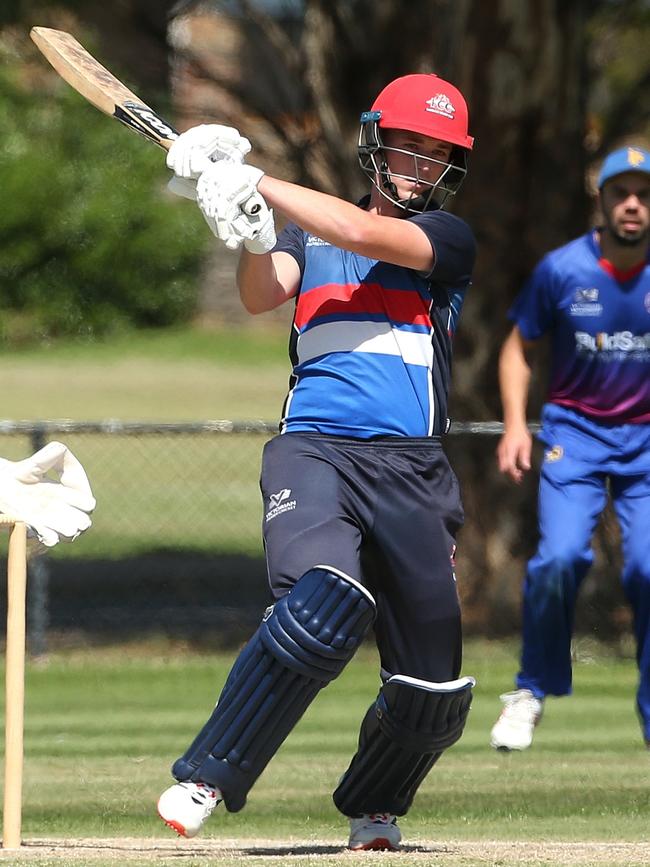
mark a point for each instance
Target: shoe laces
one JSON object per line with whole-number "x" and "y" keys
{"x": 520, "y": 705}
{"x": 381, "y": 818}
{"x": 203, "y": 794}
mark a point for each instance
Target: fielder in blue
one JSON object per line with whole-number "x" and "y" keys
{"x": 361, "y": 508}
{"x": 592, "y": 298}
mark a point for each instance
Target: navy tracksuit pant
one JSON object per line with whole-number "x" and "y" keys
{"x": 384, "y": 512}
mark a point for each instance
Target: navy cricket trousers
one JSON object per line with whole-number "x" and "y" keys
{"x": 385, "y": 512}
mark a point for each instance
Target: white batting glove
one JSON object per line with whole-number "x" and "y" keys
{"x": 184, "y": 187}
{"x": 233, "y": 209}
{"x": 53, "y": 508}
{"x": 263, "y": 225}
{"x": 194, "y": 150}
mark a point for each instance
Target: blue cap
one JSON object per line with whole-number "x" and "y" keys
{"x": 628, "y": 159}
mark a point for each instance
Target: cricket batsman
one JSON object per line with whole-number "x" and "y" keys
{"x": 361, "y": 507}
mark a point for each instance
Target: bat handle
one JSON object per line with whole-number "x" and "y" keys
{"x": 253, "y": 205}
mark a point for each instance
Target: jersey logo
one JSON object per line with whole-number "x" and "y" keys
{"x": 582, "y": 294}
{"x": 585, "y": 302}
{"x": 620, "y": 344}
{"x": 313, "y": 241}
{"x": 440, "y": 104}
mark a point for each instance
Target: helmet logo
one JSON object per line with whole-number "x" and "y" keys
{"x": 440, "y": 104}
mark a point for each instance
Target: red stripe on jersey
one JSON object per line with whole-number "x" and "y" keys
{"x": 337, "y": 299}
{"x": 617, "y": 274}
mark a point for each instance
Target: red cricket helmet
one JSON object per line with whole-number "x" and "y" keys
{"x": 426, "y": 104}
{"x": 431, "y": 106}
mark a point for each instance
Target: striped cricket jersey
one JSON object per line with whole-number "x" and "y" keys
{"x": 599, "y": 322}
{"x": 371, "y": 342}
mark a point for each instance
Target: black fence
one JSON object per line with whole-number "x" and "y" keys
{"x": 175, "y": 547}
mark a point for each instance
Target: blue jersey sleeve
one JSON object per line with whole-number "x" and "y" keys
{"x": 453, "y": 245}
{"x": 533, "y": 309}
{"x": 291, "y": 240}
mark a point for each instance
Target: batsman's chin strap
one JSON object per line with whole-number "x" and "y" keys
{"x": 419, "y": 204}
{"x": 387, "y": 183}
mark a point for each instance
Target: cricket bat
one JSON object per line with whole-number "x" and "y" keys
{"x": 100, "y": 87}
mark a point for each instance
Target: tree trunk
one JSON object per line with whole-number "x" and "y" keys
{"x": 522, "y": 68}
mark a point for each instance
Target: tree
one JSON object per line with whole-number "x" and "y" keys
{"x": 91, "y": 241}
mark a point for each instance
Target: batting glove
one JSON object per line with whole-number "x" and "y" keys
{"x": 233, "y": 209}
{"x": 263, "y": 226}
{"x": 194, "y": 150}
{"x": 184, "y": 187}
{"x": 53, "y": 508}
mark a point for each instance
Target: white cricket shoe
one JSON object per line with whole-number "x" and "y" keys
{"x": 376, "y": 831}
{"x": 514, "y": 728}
{"x": 186, "y": 806}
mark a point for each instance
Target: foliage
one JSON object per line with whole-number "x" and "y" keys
{"x": 620, "y": 73}
{"x": 91, "y": 240}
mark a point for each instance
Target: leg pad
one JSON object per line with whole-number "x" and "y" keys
{"x": 304, "y": 642}
{"x": 402, "y": 736}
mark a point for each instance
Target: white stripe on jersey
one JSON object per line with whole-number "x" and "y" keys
{"x": 373, "y": 337}
{"x": 432, "y": 403}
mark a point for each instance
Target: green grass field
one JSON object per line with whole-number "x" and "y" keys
{"x": 102, "y": 728}
{"x": 175, "y": 374}
{"x": 157, "y": 491}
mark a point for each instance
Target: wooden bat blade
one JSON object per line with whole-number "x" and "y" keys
{"x": 99, "y": 86}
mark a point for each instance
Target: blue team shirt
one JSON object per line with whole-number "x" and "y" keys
{"x": 599, "y": 323}
{"x": 371, "y": 342}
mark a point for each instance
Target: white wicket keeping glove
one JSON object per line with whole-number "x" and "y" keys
{"x": 233, "y": 209}
{"x": 194, "y": 150}
{"x": 53, "y": 508}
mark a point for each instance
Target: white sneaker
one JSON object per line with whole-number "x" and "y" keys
{"x": 377, "y": 831}
{"x": 514, "y": 728}
{"x": 186, "y": 806}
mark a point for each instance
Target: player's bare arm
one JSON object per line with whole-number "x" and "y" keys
{"x": 343, "y": 224}
{"x": 266, "y": 282}
{"x": 515, "y": 446}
